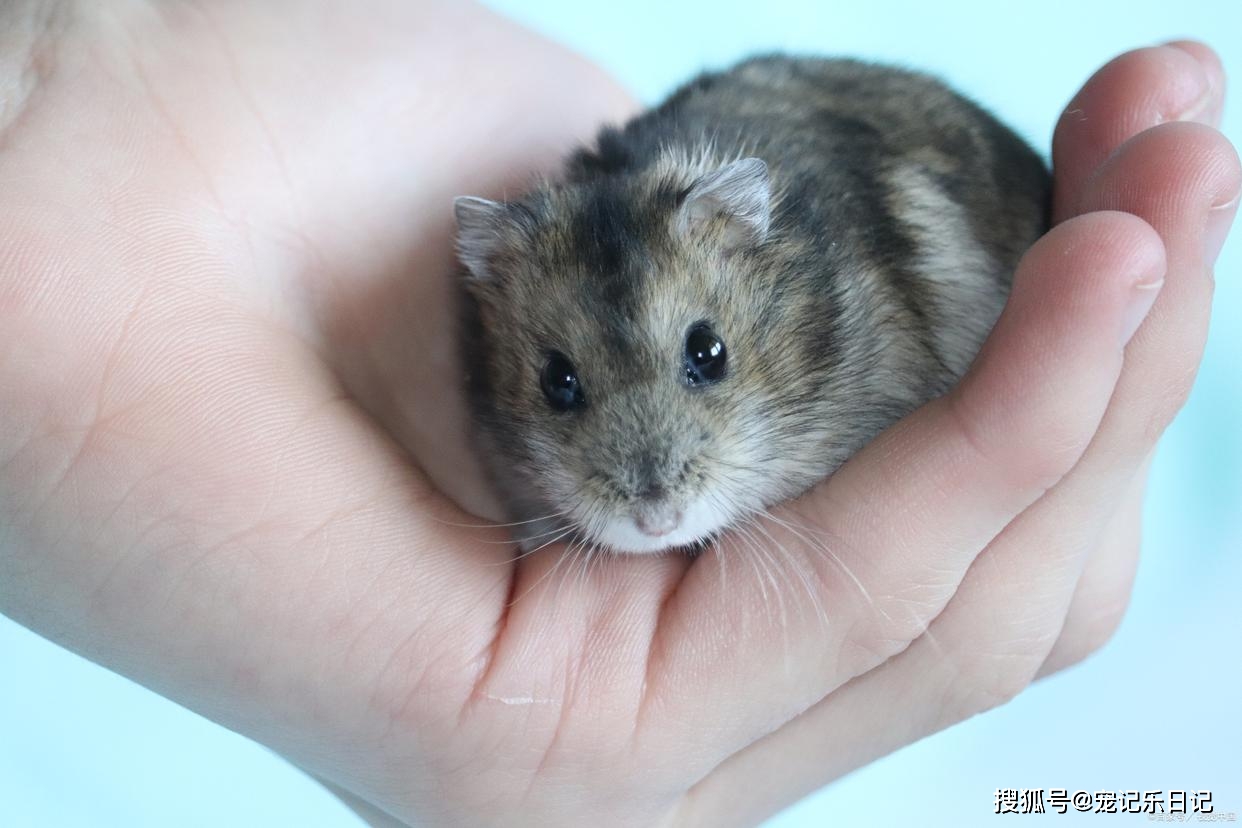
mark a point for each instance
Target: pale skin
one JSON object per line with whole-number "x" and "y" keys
{"x": 226, "y": 374}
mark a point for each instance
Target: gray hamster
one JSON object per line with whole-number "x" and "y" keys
{"x": 716, "y": 305}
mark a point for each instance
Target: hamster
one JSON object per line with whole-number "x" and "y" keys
{"x": 716, "y": 305}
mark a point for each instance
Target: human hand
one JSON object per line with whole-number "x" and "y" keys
{"x": 191, "y": 498}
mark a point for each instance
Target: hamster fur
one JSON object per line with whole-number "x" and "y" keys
{"x": 722, "y": 300}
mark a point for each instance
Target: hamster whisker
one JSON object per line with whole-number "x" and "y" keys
{"x": 594, "y": 520}
{"x": 559, "y": 534}
{"x": 568, "y": 557}
{"x": 512, "y": 542}
{"x": 759, "y": 562}
{"x": 560, "y": 560}
{"x": 752, "y": 523}
{"x": 581, "y": 555}
{"x": 723, "y": 563}
{"x": 771, "y": 566}
{"x": 583, "y": 545}
{"x": 817, "y": 543}
{"x": 559, "y": 528}
{"x": 820, "y": 546}
{"x": 549, "y": 516}
{"x": 589, "y": 556}
{"x": 780, "y": 564}
{"x": 799, "y": 566}
{"x": 736, "y": 539}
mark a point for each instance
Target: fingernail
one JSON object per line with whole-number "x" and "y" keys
{"x": 1220, "y": 219}
{"x": 1142, "y": 297}
{"x": 1196, "y": 110}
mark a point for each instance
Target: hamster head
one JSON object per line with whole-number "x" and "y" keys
{"x": 622, "y": 370}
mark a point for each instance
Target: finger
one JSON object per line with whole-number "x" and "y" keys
{"x": 1183, "y": 179}
{"x": 1215, "y": 70}
{"x": 905, "y": 519}
{"x": 1173, "y": 163}
{"x": 1135, "y": 91}
{"x": 979, "y": 652}
{"x": 1102, "y": 593}
{"x": 1002, "y": 624}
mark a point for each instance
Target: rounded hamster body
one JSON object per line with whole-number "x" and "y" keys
{"x": 721, "y": 301}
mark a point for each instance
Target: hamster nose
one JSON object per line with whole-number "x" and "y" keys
{"x": 657, "y": 520}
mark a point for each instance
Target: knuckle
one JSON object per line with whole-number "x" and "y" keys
{"x": 1167, "y": 403}
{"x": 988, "y": 678}
{"x": 1058, "y": 446}
{"x": 1088, "y": 636}
{"x": 1034, "y": 454}
{"x": 829, "y": 577}
{"x": 1098, "y": 614}
{"x": 991, "y": 663}
{"x": 1166, "y": 389}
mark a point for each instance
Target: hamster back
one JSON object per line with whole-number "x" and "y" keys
{"x": 722, "y": 300}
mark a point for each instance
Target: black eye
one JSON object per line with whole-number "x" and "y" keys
{"x": 559, "y": 381}
{"x": 705, "y": 355}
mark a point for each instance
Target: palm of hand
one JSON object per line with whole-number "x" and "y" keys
{"x": 225, "y": 306}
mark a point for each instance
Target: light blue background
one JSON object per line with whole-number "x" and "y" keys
{"x": 1157, "y": 709}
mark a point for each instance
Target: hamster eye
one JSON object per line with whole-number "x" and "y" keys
{"x": 559, "y": 381}
{"x": 705, "y": 355}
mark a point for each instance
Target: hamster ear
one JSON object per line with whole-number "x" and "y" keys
{"x": 480, "y": 232}
{"x": 740, "y": 193}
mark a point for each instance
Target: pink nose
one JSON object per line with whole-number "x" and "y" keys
{"x": 657, "y": 521}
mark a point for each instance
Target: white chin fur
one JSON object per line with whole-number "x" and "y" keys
{"x": 701, "y": 519}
